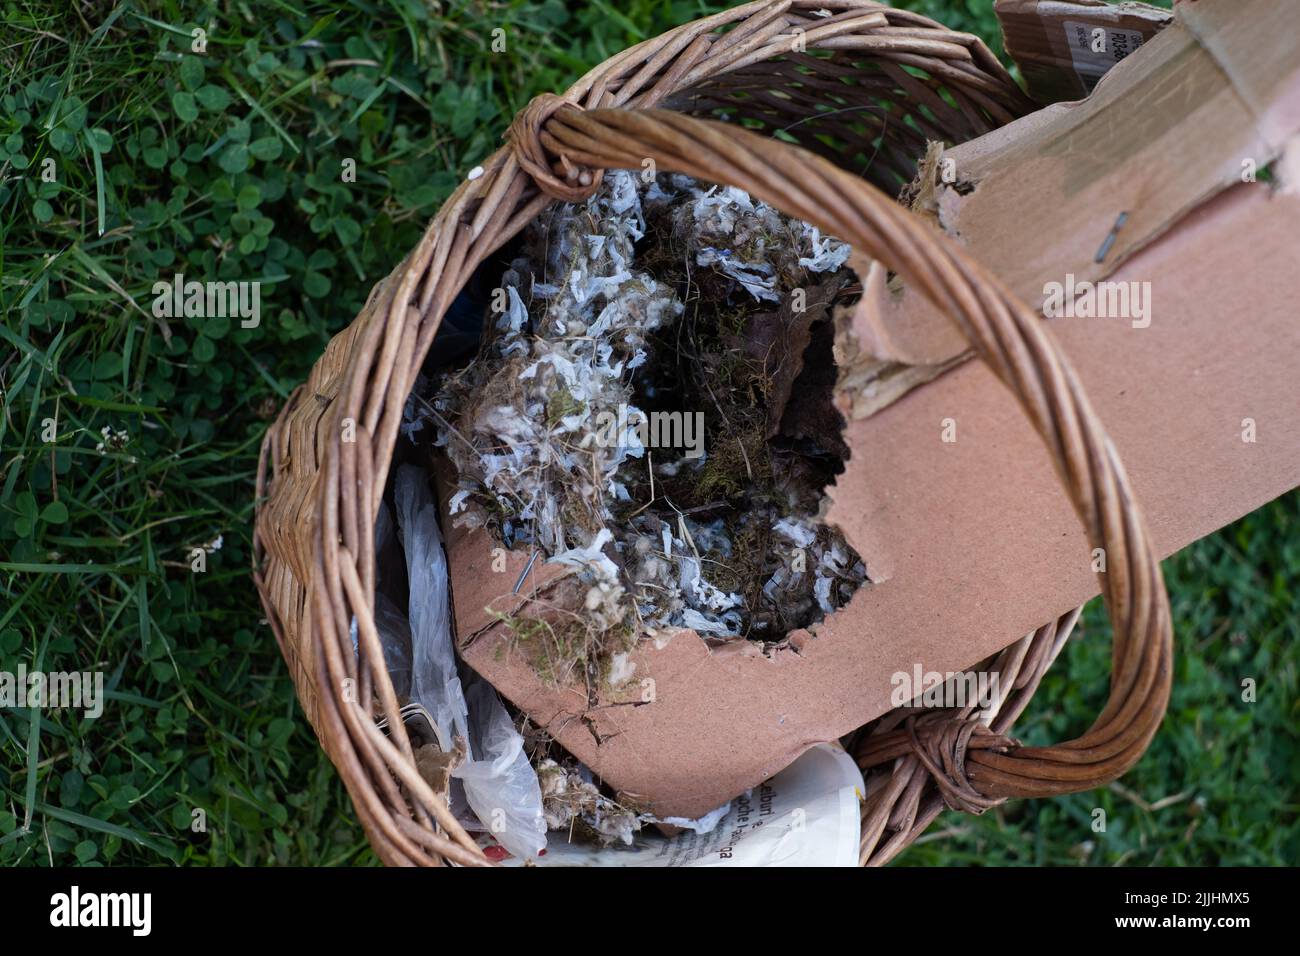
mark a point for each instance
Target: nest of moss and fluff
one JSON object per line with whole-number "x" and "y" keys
{"x": 652, "y": 404}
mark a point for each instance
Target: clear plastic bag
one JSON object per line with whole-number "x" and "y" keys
{"x": 390, "y": 619}
{"x": 395, "y": 639}
{"x": 435, "y": 682}
{"x": 500, "y": 784}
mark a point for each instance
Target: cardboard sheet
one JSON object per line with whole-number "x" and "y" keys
{"x": 1210, "y": 101}
{"x": 1065, "y": 47}
{"x": 971, "y": 543}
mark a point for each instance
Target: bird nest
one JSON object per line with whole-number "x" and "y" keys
{"x": 651, "y": 402}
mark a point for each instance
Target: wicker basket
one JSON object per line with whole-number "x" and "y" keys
{"x": 896, "y": 80}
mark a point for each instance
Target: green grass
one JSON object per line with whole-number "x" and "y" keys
{"x": 228, "y": 165}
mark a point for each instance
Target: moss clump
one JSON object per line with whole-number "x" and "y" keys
{"x": 565, "y": 648}
{"x": 560, "y": 406}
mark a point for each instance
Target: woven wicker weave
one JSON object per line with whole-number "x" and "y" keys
{"x": 892, "y": 80}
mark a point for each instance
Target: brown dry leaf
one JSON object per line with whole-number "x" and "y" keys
{"x": 435, "y": 765}
{"x": 811, "y": 422}
{"x": 779, "y": 339}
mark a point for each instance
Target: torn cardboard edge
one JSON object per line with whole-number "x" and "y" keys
{"x": 980, "y": 544}
{"x": 1098, "y": 180}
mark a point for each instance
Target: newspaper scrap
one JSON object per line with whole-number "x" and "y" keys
{"x": 806, "y": 815}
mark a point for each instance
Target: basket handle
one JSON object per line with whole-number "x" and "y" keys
{"x": 566, "y": 149}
